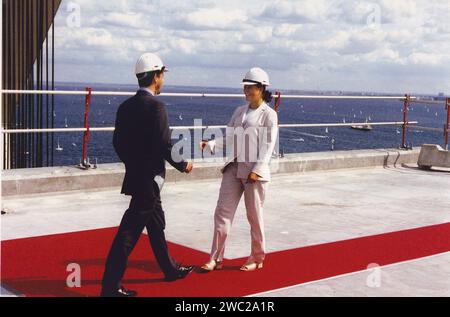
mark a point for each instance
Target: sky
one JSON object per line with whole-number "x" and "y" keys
{"x": 387, "y": 46}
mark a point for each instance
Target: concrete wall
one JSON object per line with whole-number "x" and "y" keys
{"x": 57, "y": 179}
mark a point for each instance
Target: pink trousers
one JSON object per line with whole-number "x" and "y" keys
{"x": 231, "y": 192}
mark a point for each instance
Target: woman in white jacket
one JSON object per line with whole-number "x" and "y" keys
{"x": 251, "y": 138}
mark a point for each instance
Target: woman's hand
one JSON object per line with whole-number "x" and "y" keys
{"x": 203, "y": 144}
{"x": 253, "y": 177}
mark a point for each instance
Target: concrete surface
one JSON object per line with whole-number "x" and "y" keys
{"x": 432, "y": 155}
{"x": 60, "y": 179}
{"x": 427, "y": 277}
{"x": 301, "y": 209}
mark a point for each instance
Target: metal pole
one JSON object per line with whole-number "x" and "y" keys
{"x": 405, "y": 120}
{"x": 47, "y": 143}
{"x": 197, "y": 95}
{"x": 87, "y": 103}
{"x": 30, "y": 81}
{"x": 22, "y": 83}
{"x": 447, "y": 126}
{"x": 53, "y": 78}
{"x": 32, "y": 100}
{"x": 13, "y": 84}
{"x": 2, "y": 145}
{"x": 41, "y": 82}
{"x": 281, "y": 126}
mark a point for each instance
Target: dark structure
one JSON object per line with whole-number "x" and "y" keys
{"x": 28, "y": 64}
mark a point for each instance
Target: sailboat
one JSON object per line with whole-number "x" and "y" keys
{"x": 59, "y": 148}
{"x": 326, "y": 130}
{"x": 364, "y": 127}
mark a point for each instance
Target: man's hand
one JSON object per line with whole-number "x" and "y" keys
{"x": 189, "y": 168}
{"x": 253, "y": 177}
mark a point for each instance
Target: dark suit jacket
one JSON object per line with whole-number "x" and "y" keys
{"x": 142, "y": 140}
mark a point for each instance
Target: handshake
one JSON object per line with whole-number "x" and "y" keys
{"x": 252, "y": 177}
{"x": 190, "y": 166}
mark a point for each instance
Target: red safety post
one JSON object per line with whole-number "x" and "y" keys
{"x": 405, "y": 120}
{"x": 85, "y": 163}
{"x": 447, "y": 126}
{"x": 278, "y": 101}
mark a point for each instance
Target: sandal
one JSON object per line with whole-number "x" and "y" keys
{"x": 251, "y": 267}
{"x": 211, "y": 266}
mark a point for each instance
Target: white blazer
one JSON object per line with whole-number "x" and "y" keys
{"x": 250, "y": 143}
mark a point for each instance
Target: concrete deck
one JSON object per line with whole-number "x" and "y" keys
{"x": 61, "y": 179}
{"x": 301, "y": 209}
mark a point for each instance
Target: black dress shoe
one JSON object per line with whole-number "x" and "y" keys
{"x": 181, "y": 273}
{"x": 121, "y": 292}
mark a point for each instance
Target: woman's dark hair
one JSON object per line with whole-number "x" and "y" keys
{"x": 267, "y": 95}
{"x": 146, "y": 79}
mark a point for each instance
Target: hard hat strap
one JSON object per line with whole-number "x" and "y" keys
{"x": 251, "y": 81}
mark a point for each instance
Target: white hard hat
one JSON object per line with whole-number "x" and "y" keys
{"x": 256, "y": 76}
{"x": 148, "y": 62}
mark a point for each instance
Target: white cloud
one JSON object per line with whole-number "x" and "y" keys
{"x": 118, "y": 19}
{"x": 285, "y": 30}
{"x": 299, "y": 11}
{"x": 428, "y": 59}
{"x": 184, "y": 46}
{"x": 215, "y": 18}
{"x": 304, "y": 44}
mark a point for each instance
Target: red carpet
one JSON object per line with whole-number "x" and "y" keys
{"x": 37, "y": 266}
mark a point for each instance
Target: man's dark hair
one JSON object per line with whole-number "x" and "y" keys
{"x": 146, "y": 79}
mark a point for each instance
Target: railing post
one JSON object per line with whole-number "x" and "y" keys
{"x": 85, "y": 164}
{"x": 447, "y": 126}
{"x": 278, "y": 101}
{"x": 405, "y": 120}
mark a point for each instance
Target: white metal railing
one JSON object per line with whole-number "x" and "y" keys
{"x": 197, "y": 95}
{"x": 89, "y": 92}
{"x": 111, "y": 129}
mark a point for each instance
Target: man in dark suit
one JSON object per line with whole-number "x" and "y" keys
{"x": 142, "y": 141}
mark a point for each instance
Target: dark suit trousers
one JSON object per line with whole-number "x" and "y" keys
{"x": 143, "y": 212}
